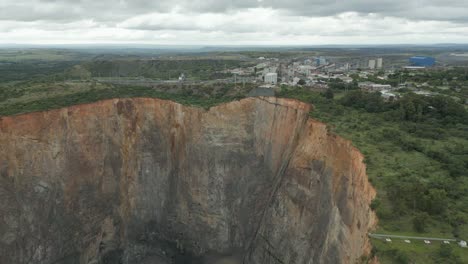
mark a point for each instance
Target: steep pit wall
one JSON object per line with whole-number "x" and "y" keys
{"x": 127, "y": 179}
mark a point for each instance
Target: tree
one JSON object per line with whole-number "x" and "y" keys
{"x": 419, "y": 113}
{"x": 445, "y": 251}
{"x": 436, "y": 201}
{"x": 401, "y": 257}
{"x": 371, "y": 102}
{"x": 409, "y": 110}
{"x": 301, "y": 82}
{"x": 420, "y": 222}
{"x": 445, "y": 254}
{"x": 329, "y": 94}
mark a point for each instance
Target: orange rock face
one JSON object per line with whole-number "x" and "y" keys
{"x": 124, "y": 180}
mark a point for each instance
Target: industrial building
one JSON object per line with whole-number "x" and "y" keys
{"x": 321, "y": 61}
{"x": 271, "y": 78}
{"x": 271, "y": 69}
{"x": 379, "y": 63}
{"x": 371, "y": 64}
{"x": 422, "y": 61}
{"x": 373, "y": 87}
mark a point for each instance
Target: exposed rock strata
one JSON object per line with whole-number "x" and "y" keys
{"x": 124, "y": 179}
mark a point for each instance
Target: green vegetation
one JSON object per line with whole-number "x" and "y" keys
{"x": 29, "y": 70}
{"x": 420, "y": 222}
{"x": 39, "y": 97}
{"x": 198, "y": 69}
{"x": 38, "y": 54}
{"x": 452, "y": 77}
{"x": 35, "y": 64}
{"x": 417, "y": 252}
{"x": 338, "y": 84}
{"x": 452, "y": 81}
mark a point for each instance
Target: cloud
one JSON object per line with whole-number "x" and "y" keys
{"x": 228, "y": 22}
{"x": 106, "y": 10}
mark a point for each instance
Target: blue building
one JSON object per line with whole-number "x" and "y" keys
{"x": 421, "y": 61}
{"x": 320, "y": 61}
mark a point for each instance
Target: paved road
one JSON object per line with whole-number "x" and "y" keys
{"x": 411, "y": 237}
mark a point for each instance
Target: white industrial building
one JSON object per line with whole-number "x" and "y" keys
{"x": 271, "y": 78}
{"x": 371, "y": 64}
{"x": 373, "y": 87}
{"x": 271, "y": 69}
{"x": 379, "y": 63}
{"x": 346, "y": 67}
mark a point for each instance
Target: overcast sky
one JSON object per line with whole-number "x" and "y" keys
{"x": 230, "y": 22}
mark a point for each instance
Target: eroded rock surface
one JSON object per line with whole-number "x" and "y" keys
{"x": 151, "y": 181}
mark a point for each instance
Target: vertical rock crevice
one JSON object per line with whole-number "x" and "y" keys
{"x": 276, "y": 184}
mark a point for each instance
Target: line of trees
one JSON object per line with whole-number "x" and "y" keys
{"x": 412, "y": 107}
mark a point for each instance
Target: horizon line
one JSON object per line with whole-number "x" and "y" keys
{"x": 129, "y": 44}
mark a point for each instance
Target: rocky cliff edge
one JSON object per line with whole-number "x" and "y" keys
{"x": 127, "y": 179}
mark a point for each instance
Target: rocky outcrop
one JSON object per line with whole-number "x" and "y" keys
{"x": 141, "y": 180}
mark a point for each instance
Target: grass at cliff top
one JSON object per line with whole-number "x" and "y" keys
{"x": 24, "y": 98}
{"x": 403, "y": 163}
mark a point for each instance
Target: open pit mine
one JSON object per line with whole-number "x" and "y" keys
{"x": 154, "y": 182}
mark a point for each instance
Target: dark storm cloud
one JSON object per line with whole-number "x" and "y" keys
{"x": 113, "y": 11}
